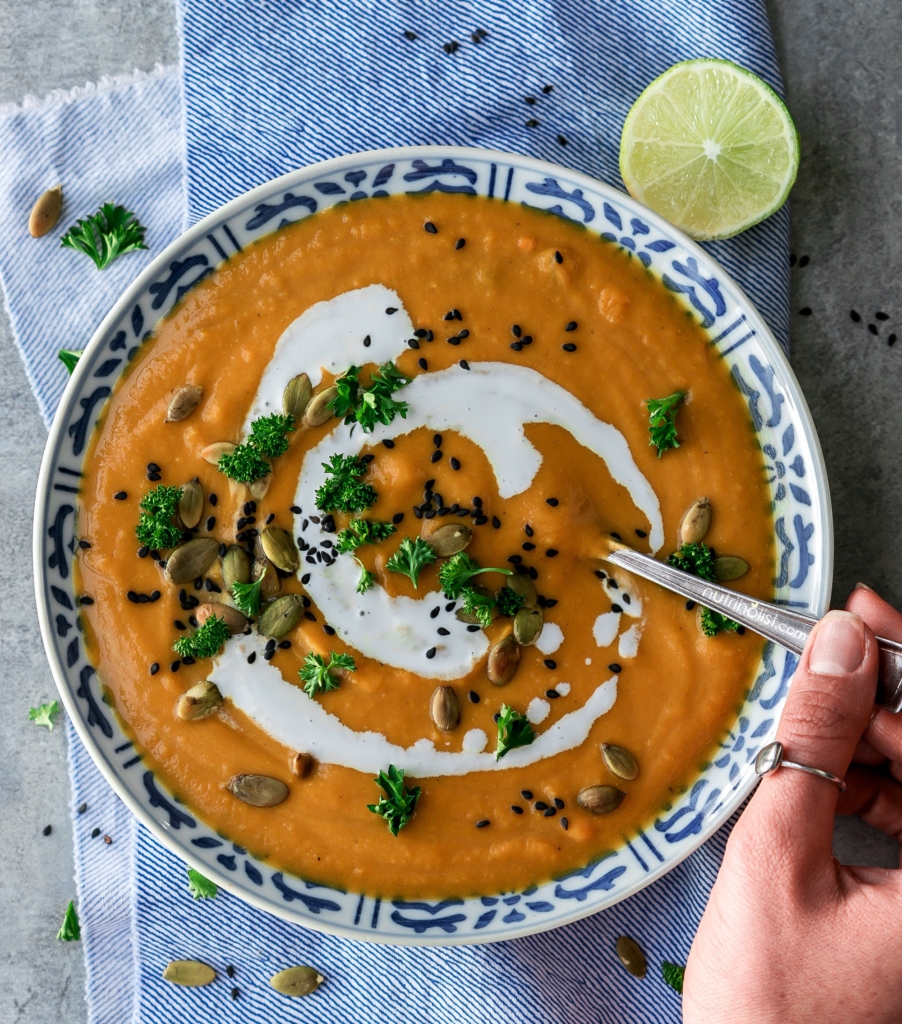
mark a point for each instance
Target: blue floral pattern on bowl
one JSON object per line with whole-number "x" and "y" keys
{"x": 778, "y": 412}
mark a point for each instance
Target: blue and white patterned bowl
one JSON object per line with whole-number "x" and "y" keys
{"x": 797, "y": 479}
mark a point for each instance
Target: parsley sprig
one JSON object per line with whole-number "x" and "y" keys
{"x": 411, "y": 558}
{"x": 662, "y": 421}
{"x": 206, "y": 641}
{"x": 398, "y": 803}
{"x": 367, "y": 580}
{"x": 514, "y": 730}
{"x": 457, "y": 572}
{"x": 480, "y": 606}
{"x": 268, "y": 439}
{"x": 106, "y": 235}
{"x": 698, "y": 559}
{"x": 43, "y": 714}
{"x": 509, "y": 601}
{"x": 69, "y": 357}
{"x": 369, "y": 405}
{"x": 316, "y": 672}
{"x": 201, "y": 888}
{"x": 343, "y": 491}
{"x": 249, "y": 596}
{"x": 362, "y": 531}
{"x": 71, "y": 929}
{"x": 673, "y": 975}
{"x": 156, "y": 523}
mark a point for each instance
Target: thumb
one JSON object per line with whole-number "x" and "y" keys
{"x": 828, "y": 708}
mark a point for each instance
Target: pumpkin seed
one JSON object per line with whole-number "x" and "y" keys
{"x": 191, "y": 559}
{"x": 191, "y": 504}
{"x": 528, "y": 623}
{"x": 272, "y": 581}
{"x": 236, "y": 567}
{"x": 234, "y": 619}
{"x": 503, "y": 660}
{"x": 621, "y": 762}
{"x": 189, "y": 972}
{"x": 631, "y": 956}
{"x": 259, "y": 488}
{"x": 463, "y": 616}
{"x": 318, "y": 411}
{"x": 600, "y": 799}
{"x": 695, "y": 523}
{"x": 198, "y": 702}
{"x": 280, "y": 616}
{"x": 301, "y": 765}
{"x": 214, "y": 452}
{"x": 525, "y": 586}
{"x": 46, "y": 212}
{"x": 730, "y": 567}
{"x": 279, "y": 547}
{"x": 183, "y": 403}
{"x": 448, "y": 539}
{"x": 444, "y": 707}
{"x": 297, "y": 981}
{"x": 296, "y": 396}
{"x": 258, "y": 790}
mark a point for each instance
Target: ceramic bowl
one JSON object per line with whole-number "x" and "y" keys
{"x": 796, "y": 477}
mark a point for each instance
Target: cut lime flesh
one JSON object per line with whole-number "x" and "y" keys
{"x": 711, "y": 147}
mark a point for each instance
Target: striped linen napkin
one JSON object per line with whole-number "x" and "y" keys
{"x": 267, "y": 89}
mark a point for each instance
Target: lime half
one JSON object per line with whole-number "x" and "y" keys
{"x": 711, "y": 147}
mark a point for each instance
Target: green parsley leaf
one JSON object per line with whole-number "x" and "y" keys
{"x": 71, "y": 929}
{"x": 410, "y": 558}
{"x": 698, "y": 559}
{"x": 661, "y": 421}
{"x": 316, "y": 672}
{"x": 399, "y": 803}
{"x": 713, "y": 623}
{"x": 269, "y": 434}
{"x": 156, "y": 523}
{"x": 362, "y": 531}
{"x": 244, "y": 464}
{"x": 370, "y": 405}
{"x": 43, "y": 715}
{"x": 248, "y": 596}
{"x": 673, "y": 975}
{"x": 343, "y": 491}
{"x": 509, "y": 601}
{"x": 106, "y": 235}
{"x": 347, "y": 397}
{"x": 201, "y": 888}
{"x": 206, "y": 641}
{"x": 458, "y": 570}
{"x": 367, "y": 580}
{"x": 69, "y": 357}
{"x": 514, "y": 730}
{"x": 478, "y": 605}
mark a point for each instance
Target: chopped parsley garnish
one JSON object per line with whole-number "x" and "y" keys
{"x": 661, "y": 421}
{"x": 367, "y": 580}
{"x": 156, "y": 527}
{"x": 410, "y": 558}
{"x": 105, "y": 235}
{"x": 457, "y": 572}
{"x": 43, "y": 715}
{"x": 201, "y": 888}
{"x": 69, "y": 357}
{"x": 698, "y": 559}
{"x": 480, "y": 606}
{"x": 316, "y": 672}
{"x": 509, "y": 601}
{"x": 248, "y": 596}
{"x": 269, "y": 434}
{"x": 514, "y": 730}
{"x": 206, "y": 641}
{"x": 673, "y": 975}
{"x": 369, "y": 405}
{"x": 71, "y": 929}
{"x": 362, "y": 531}
{"x": 398, "y": 803}
{"x": 344, "y": 491}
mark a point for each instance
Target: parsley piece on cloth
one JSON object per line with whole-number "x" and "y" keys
{"x": 69, "y": 357}
{"x": 104, "y": 236}
{"x": 43, "y": 715}
{"x": 201, "y": 888}
{"x": 71, "y": 929}
{"x": 673, "y": 975}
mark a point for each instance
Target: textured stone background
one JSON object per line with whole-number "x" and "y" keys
{"x": 843, "y": 68}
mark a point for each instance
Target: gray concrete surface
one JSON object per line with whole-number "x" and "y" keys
{"x": 843, "y": 67}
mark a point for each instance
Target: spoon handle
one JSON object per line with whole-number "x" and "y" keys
{"x": 783, "y": 625}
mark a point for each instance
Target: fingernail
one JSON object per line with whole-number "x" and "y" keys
{"x": 838, "y": 646}
{"x": 864, "y": 586}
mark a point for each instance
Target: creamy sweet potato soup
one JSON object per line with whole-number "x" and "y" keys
{"x": 491, "y": 365}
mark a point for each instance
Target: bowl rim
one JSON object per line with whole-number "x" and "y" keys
{"x": 823, "y": 509}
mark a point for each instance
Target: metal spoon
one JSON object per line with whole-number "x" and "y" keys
{"x": 784, "y": 626}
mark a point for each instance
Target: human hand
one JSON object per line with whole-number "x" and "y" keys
{"x": 789, "y": 934}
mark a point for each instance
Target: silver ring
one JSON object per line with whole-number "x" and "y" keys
{"x": 770, "y": 758}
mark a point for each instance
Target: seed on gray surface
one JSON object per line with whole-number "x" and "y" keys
{"x": 504, "y": 657}
{"x": 214, "y": 452}
{"x": 236, "y": 567}
{"x": 444, "y": 707}
{"x": 259, "y": 488}
{"x": 280, "y": 548}
{"x": 280, "y": 616}
{"x": 198, "y": 702}
{"x": 695, "y": 523}
{"x": 318, "y": 411}
{"x": 525, "y": 586}
{"x": 191, "y": 503}
{"x": 730, "y": 567}
{"x": 296, "y": 396}
{"x": 183, "y": 403}
{"x": 449, "y": 539}
{"x": 631, "y": 956}
{"x": 46, "y": 212}
{"x": 297, "y": 981}
{"x": 192, "y": 973}
{"x": 621, "y": 762}
{"x": 234, "y": 619}
{"x": 528, "y": 623}
{"x": 463, "y": 616}
{"x": 258, "y": 790}
{"x": 301, "y": 765}
{"x": 191, "y": 559}
{"x": 600, "y": 799}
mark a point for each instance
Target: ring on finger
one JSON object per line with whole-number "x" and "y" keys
{"x": 770, "y": 758}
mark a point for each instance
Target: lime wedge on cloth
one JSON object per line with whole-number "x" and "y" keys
{"x": 711, "y": 147}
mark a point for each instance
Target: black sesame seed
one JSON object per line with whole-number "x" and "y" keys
{"x": 84, "y": 544}
{"x": 549, "y": 812}
{"x": 553, "y": 502}
{"x": 429, "y": 226}
{"x": 429, "y": 335}
{"x": 614, "y": 667}
{"x": 792, "y": 259}
{"x": 483, "y": 823}
{"x": 120, "y": 495}
{"x": 367, "y": 341}
{"x": 431, "y": 653}
{"x": 455, "y": 463}
{"x": 740, "y": 631}
{"x": 571, "y": 326}
{"x": 152, "y": 467}
{"x": 473, "y": 697}
{"x": 516, "y": 808}
{"x": 188, "y": 660}
{"x": 391, "y": 309}
{"x": 855, "y": 315}
{"x": 305, "y": 579}
{"x": 804, "y": 261}
{"x": 423, "y": 365}
{"x": 436, "y": 455}
{"x": 82, "y": 808}
{"x": 872, "y": 328}
{"x": 283, "y": 645}
{"x": 551, "y": 552}
{"x": 805, "y": 311}
{"x": 154, "y": 476}
{"x": 541, "y": 805}
{"x": 210, "y": 523}
{"x": 460, "y": 243}
{"x": 462, "y": 512}
{"x": 252, "y": 657}
{"x": 558, "y": 803}
{"x": 690, "y": 605}
{"x": 526, "y": 339}
{"x": 309, "y": 616}
{"x": 517, "y": 346}
{"x": 174, "y": 666}
{"x": 250, "y": 507}
{"x": 132, "y": 596}
{"x": 533, "y": 573}
{"x": 434, "y": 612}
{"x": 413, "y": 343}
{"x": 443, "y": 632}
{"x": 526, "y": 794}
{"x": 473, "y": 629}
{"x": 549, "y": 663}
{"x": 367, "y": 459}
{"x": 464, "y": 365}
{"x": 528, "y": 545}
{"x": 569, "y": 347}
{"x": 547, "y": 88}
{"x": 565, "y": 824}
{"x": 552, "y": 694}
{"x": 562, "y": 141}
{"x": 388, "y": 442}
{"x": 626, "y": 599}
{"x": 558, "y": 258}
{"x": 881, "y": 316}
{"x": 463, "y": 335}
{"x": 496, "y": 522}
{"x": 418, "y": 512}
{"x": 450, "y": 606}
{"x": 143, "y": 552}
{"x": 530, "y": 100}
{"x": 411, "y": 36}
{"x": 891, "y": 340}
{"x": 515, "y": 330}
{"x": 451, "y": 47}
{"x": 235, "y": 993}
{"x": 532, "y": 123}
{"x": 641, "y": 533}
{"x": 616, "y": 608}
{"x": 453, "y": 340}
{"x": 213, "y": 499}
{"x": 95, "y": 833}
{"x": 612, "y": 582}
{"x": 515, "y": 559}
{"x": 155, "y": 667}
{"x": 305, "y": 601}
{"x": 143, "y": 599}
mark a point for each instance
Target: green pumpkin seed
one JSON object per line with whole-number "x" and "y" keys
{"x": 280, "y": 617}
{"x": 191, "y": 504}
{"x": 296, "y": 397}
{"x": 259, "y": 488}
{"x": 525, "y": 586}
{"x": 448, "y": 539}
{"x": 621, "y": 762}
{"x": 191, "y": 559}
{"x": 318, "y": 411}
{"x": 730, "y": 567}
{"x": 46, "y": 212}
{"x": 214, "y": 452}
{"x": 236, "y": 567}
{"x": 279, "y": 547}
{"x": 463, "y": 616}
{"x": 297, "y": 981}
{"x": 234, "y": 619}
{"x": 695, "y": 523}
{"x": 258, "y": 790}
{"x": 189, "y": 972}
{"x": 444, "y": 708}
{"x": 272, "y": 581}
{"x": 528, "y": 623}
{"x": 600, "y": 799}
{"x": 198, "y": 702}
{"x": 301, "y": 765}
{"x": 631, "y": 956}
{"x": 503, "y": 660}
{"x": 183, "y": 403}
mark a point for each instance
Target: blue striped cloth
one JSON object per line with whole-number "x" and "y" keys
{"x": 266, "y": 89}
